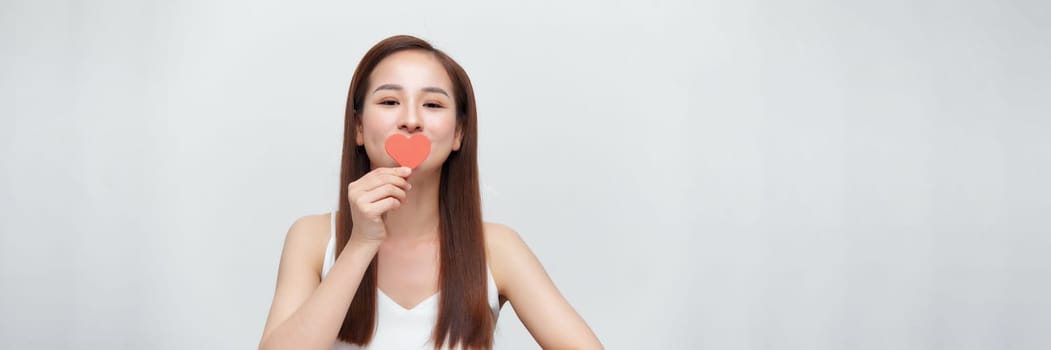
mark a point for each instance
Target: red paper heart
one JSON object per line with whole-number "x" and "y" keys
{"x": 408, "y": 151}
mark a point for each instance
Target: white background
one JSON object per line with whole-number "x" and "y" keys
{"x": 693, "y": 174}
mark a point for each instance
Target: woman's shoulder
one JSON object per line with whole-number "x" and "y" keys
{"x": 497, "y": 230}
{"x": 308, "y": 237}
{"x": 499, "y": 238}
{"x": 504, "y": 248}
{"x": 311, "y": 228}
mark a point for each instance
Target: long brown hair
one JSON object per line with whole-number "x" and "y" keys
{"x": 464, "y": 314}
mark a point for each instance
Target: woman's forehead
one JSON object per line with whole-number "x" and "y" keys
{"x": 413, "y": 69}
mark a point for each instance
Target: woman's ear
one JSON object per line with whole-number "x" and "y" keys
{"x": 459, "y": 138}
{"x": 359, "y": 135}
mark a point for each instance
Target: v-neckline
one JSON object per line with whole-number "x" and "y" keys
{"x": 403, "y": 308}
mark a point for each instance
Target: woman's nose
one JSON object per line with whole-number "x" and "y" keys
{"x": 410, "y": 122}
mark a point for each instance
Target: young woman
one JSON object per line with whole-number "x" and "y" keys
{"x": 406, "y": 262}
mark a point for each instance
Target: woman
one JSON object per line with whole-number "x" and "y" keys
{"x": 417, "y": 267}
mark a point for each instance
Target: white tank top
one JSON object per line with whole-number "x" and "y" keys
{"x": 396, "y": 326}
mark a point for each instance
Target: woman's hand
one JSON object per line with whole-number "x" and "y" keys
{"x": 371, "y": 196}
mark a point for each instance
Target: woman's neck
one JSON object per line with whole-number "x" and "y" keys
{"x": 417, "y": 217}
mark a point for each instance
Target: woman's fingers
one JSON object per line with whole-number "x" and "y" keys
{"x": 380, "y": 177}
{"x": 372, "y": 195}
{"x": 380, "y": 180}
{"x": 377, "y": 192}
{"x": 384, "y": 205}
{"x": 382, "y": 192}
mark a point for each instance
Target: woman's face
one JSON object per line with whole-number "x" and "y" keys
{"x": 409, "y": 93}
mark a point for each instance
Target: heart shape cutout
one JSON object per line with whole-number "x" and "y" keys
{"x": 408, "y": 151}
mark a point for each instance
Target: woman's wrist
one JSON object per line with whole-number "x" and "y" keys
{"x": 363, "y": 244}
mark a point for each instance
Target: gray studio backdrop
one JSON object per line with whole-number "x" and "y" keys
{"x": 693, "y": 174}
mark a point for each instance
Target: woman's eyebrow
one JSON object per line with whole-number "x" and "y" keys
{"x": 388, "y": 87}
{"x": 397, "y": 87}
{"x": 436, "y": 89}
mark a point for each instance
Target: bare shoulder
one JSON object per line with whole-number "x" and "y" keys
{"x": 523, "y": 281}
{"x": 299, "y": 272}
{"x": 499, "y": 233}
{"x": 505, "y": 249}
{"x": 501, "y": 240}
{"x": 307, "y": 238}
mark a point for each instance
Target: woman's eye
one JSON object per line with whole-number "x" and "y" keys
{"x": 389, "y": 103}
{"x": 432, "y": 105}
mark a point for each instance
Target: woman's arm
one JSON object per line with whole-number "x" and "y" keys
{"x": 543, "y": 310}
{"x": 307, "y": 312}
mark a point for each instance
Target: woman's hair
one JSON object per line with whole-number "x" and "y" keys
{"x": 464, "y": 314}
